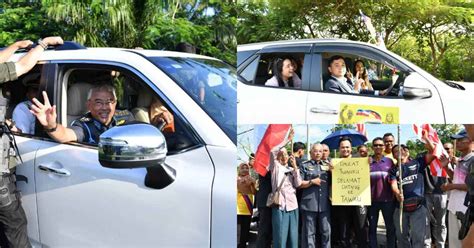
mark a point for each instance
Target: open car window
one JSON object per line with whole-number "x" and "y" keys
{"x": 134, "y": 97}
{"x": 260, "y": 70}
{"x": 382, "y": 75}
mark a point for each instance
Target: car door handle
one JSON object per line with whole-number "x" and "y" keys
{"x": 324, "y": 111}
{"x": 60, "y": 172}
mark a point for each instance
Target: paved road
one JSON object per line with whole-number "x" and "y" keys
{"x": 380, "y": 234}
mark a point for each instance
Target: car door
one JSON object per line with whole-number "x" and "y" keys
{"x": 326, "y": 107}
{"x": 87, "y": 205}
{"x": 28, "y": 145}
{"x": 258, "y": 103}
{"x": 80, "y": 203}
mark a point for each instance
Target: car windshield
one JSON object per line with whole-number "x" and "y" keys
{"x": 211, "y": 83}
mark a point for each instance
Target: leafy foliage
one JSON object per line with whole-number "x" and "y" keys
{"x": 19, "y": 21}
{"x": 154, "y": 24}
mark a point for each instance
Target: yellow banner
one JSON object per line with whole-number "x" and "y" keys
{"x": 357, "y": 113}
{"x": 351, "y": 182}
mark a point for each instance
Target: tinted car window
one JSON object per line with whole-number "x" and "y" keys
{"x": 244, "y": 55}
{"x": 248, "y": 73}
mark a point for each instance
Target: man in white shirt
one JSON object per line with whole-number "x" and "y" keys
{"x": 24, "y": 119}
{"x": 458, "y": 187}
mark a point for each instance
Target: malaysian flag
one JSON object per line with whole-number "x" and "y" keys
{"x": 369, "y": 113}
{"x": 436, "y": 167}
{"x": 361, "y": 129}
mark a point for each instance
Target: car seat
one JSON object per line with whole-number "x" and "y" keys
{"x": 262, "y": 73}
{"x": 141, "y": 112}
{"x": 76, "y": 101}
{"x": 324, "y": 70}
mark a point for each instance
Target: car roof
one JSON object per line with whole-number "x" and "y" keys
{"x": 260, "y": 45}
{"x": 93, "y": 53}
{"x": 162, "y": 53}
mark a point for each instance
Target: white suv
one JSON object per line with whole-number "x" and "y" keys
{"x": 419, "y": 96}
{"x": 71, "y": 199}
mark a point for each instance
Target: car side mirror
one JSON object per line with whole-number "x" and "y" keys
{"x": 416, "y": 93}
{"x": 133, "y": 145}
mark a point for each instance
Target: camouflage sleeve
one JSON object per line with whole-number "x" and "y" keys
{"x": 7, "y": 72}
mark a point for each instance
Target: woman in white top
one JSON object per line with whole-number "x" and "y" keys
{"x": 284, "y": 74}
{"x": 284, "y": 171}
{"x": 362, "y": 77}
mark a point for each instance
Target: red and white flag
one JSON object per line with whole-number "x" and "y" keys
{"x": 361, "y": 129}
{"x": 436, "y": 167}
{"x": 274, "y": 136}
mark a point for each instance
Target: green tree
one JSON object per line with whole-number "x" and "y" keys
{"x": 154, "y": 24}
{"x": 441, "y": 25}
{"x": 445, "y": 131}
{"x": 101, "y": 23}
{"x": 24, "y": 20}
{"x": 435, "y": 34}
{"x": 338, "y": 127}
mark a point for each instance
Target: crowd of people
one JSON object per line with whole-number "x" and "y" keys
{"x": 304, "y": 215}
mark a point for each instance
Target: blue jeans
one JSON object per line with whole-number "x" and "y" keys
{"x": 387, "y": 209}
{"x": 285, "y": 228}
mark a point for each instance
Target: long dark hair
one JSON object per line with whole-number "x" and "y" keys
{"x": 277, "y": 69}
{"x": 364, "y": 75}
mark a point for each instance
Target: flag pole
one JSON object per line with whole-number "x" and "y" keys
{"x": 454, "y": 149}
{"x": 291, "y": 144}
{"x": 399, "y": 160}
{"x": 307, "y": 141}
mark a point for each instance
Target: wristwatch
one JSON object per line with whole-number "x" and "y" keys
{"x": 50, "y": 130}
{"x": 311, "y": 182}
{"x": 42, "y": 44}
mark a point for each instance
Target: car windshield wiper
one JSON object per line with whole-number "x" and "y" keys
{"x": 454, "y": 84}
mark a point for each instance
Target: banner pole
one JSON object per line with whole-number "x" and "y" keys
{"x": 399, "y": 159}
{"x": 307, "y": 141}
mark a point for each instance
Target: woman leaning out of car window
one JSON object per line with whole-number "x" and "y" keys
{"x": 284, "y": 74}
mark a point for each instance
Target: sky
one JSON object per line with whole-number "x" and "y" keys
{"x": 249, "y": 136}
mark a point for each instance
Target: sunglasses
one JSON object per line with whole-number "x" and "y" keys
{"x": 378, "y": 145}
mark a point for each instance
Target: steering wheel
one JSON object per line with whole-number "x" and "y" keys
{"x": 394, "y": 89}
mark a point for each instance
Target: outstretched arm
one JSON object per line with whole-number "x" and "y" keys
{"x": 31, "y": 58}
{"x": 6, "y": 53}
{"x": 430, "y": 146}
{"x": 46, "y": 115}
